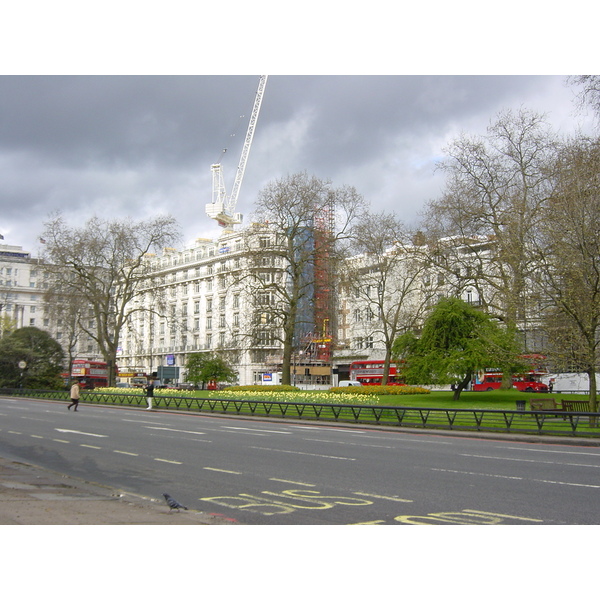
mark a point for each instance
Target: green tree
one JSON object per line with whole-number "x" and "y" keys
{"x": 41, "y": 354}
{"x": 456, "y": 341}
{"x": 205, "y": 367}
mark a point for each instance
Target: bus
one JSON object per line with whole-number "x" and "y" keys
{"x": 92, "y": 373}
{"x": 136, "y": 378}
{"x": 370, "y": 372}
{"x": 486, "y": 381}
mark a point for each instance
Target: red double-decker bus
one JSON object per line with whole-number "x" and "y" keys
{"x": 370, "y": 372}
{"x": 92, "y": 373}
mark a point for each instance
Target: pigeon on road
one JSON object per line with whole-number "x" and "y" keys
{"x": 173, "y": 503}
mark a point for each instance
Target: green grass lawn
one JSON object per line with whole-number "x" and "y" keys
{"x": 496, "y": 399}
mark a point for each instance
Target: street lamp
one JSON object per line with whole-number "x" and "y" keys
{"x": 22, "y": 366}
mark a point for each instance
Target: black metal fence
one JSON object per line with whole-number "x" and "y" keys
{"x": 546, "y": 422}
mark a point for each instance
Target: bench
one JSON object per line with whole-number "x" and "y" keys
{"x": 543, "y": 404}
{"x": 576, "y": 406}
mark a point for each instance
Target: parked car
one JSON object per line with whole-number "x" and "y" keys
{"x": 348, "y": 383}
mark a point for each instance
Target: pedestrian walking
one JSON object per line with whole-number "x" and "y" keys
{"x": 149, "y": 393}
{"x": 74, "y": 395}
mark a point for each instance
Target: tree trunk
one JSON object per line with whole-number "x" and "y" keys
{"x": 462, "y": 386}
{"x": 593, "y": 395}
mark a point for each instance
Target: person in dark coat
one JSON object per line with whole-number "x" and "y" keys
{"x": 149, "y": 393}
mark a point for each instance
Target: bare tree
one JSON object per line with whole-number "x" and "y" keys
{"x": 385, "y": 278}
{"x": 589, "y": 95}
{"x": 301, "y": 221}
{"x": 568, "y": 255}
{"x": 497, "y": 186}
{"x": 104, "y": 263}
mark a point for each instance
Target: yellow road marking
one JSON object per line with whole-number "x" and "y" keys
{"x": 369, "y": 523}
{"x": 482, "y": 512}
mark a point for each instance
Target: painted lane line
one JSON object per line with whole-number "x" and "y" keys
{"x": 478, "y": 474}
{"x": 302, "y": 453}
{"x": 177, "y": 430}
{"x": 41, "y": 437}
{"x": 88, "y": 446}
{"x": 588, "y": 485}
{"x": 123, "y": 452}
{"x": 597, "y": 454}
{"x": 342, "y": 443}
{"x": 392, "y": 498}
{"x": 173, "y": 462}
{"x": 61, "y": 441}
{"x": 259, "y": 430}
{"x": 15, "y": 432}
{"x": 221, "y": 470}
{"x": 292, "y": 482}
{"x": 80, "y": 432}
{"x": 532, "y": 460}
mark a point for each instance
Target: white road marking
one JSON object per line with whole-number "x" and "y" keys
{"x": 292, "y": 482}
{"x": 177, "y": 430}
{"x": 537, "y": 461}
{"x": 480, "y": 474}
{"x": 173, "y": 462}
{"x": 262, "y": 431}
{"x": 88, "y": 446}
{"x": 393, "y": 498}
{"x": 519, "y": 478}
{"x": 123, "y": 452}
{"x": 301, "y": 453}
{"x": 80, "y": 432}
{"x": 221, "y": 470}
{"x": 549, "y": 451}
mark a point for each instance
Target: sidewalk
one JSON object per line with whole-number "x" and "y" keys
{"x": 31, "y": 495}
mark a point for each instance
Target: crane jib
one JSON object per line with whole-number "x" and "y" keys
{"x": 222, "y": 207}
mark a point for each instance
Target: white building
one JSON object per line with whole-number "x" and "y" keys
{"x": 22, "y": 286}
{"x": 21, "y": 289}
{"x": 205, "y": 307}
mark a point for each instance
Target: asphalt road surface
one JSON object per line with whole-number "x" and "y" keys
{"x": 279, "y": 472}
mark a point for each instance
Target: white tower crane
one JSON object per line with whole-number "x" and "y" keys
{"x": 222, "y": 207}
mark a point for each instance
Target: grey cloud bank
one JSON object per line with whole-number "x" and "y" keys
{"x": 139, "y": 146}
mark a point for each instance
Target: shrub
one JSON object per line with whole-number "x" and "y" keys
{"x": 380, "y": 390}
{"x": 262, "y": 388}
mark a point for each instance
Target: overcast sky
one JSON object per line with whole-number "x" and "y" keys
{"x": 139, "y": 146}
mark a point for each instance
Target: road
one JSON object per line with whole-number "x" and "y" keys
{"x": 278, "y": 472}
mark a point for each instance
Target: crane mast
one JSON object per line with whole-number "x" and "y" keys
{"x": 222, "y": 207}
